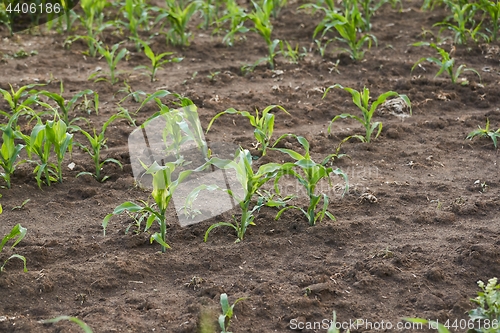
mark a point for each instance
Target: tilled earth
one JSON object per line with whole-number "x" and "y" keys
{"x": 416, "y": 249}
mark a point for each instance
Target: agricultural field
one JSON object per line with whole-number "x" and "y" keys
{"x": 367, "y": 158}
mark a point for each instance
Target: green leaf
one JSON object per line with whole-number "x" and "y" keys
{"x": 25, "y": 269}
{"x": 216, "y": 225}
{"x": 83, "y": 326}
{"x": 157, "y": 238}
{"x": 18, "y": 232}
{"x": 293, "y": 154}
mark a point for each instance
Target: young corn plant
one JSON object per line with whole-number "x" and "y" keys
{"x": 181, "y": 125}
{"x": 362, "y": 101}
{"x": 178, "y": 16}
{"x": 85, "y": 328}
{"x": 464, "y": 23}
{"x": 446, "y": 63}
{"x": 38, "y": 143}
{"x": 369, "y": 7}
{"x": 210, "y": 10}
{"x": 44, "y": 138}
{"x": 67, "y": 106}
{"x": 163, "y": 188}
{"x": 263, "y": 124}
{"x": 293, "y": 54}
{"x": 278, "y": 5}
{"x": 156, "y": 60}
{"x": 62, "y": 142}
{"x": 348, "y": 27}
{"x": 227, "y": 312}
{"x": 333, "y": 325}
{"x": 112, "y": 60}
{"x": 9, "y": 152}
{"x": 236, "y": 16}
{"x": 322, "y": 46}
{"x": 17, "y": 233}
{"x": 486, "y": 133}
{"x": 93, "y": 21}
{"x": 64, "y": 23}
{"x": 250, "y": 183}
{"x": 97, "y": 142}
{"x": 135, "y": 17}
{"x": 492, "y": 9}
{"x": 261, "y": 18}
{"x": 309, "y": 177}
{"x": 20, "y": 101}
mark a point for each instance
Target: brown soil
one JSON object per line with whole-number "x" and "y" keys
{"x": 416, "y": 252}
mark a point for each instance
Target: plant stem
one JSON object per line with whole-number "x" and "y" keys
{"x": 163, "y": 230}
{"x": 245, "y": 215}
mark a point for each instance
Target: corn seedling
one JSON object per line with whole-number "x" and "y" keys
{"x": 463, "y": 16}
{"x": 261, "y": 18}
{"x": 347, "y": 26}
{"x": 362, "y": 101}
{"x": 61, "y": 141}
{"x": 213, "y": 76}
{"x": 263, "y": 124}
{"x": 250, "y": 183}
{"x": 178, "y": 16}
{"x": 277, "y": 6}
{"x": 181, "y": 125}
{"x": 85, "y": 328}
{"x": 369, "y": 7}
{"x": 293, "y": 54}
{"x": 97, "y": 142}
{"x": 157, "y": 95}
{"x": 156, "y": 60}
{"x": 135, "y": 16}
{"x": 9, "y": 152}
{"x": 333, "y": 326}
{"x": 38, "y": 143}
{"x": 210, "y": 10}
{"x": 309, "y": 177}
{"x": 64, "y": 23}
{"x": 93, "y": 21}
{"x": 112, "y": 60}
{"x": 17, "y": 233}
{"x": 488, "y": 310}
{"x": 227, "y": 312}
{"x": 322, "y": 47}
{"x": 66, "y": 106}
{"x": 20, "y": 100}
{"x": 486, "y": 133}
{"x": 163, "y": 188}
{"x": 21, "y": 206}
{"x": 492, "y": 8}
{"x": 44, "y": 138}
{"x": 236, "y": 17}
{"x": 135, "y": 94}
{"x": 446, "y": 63}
